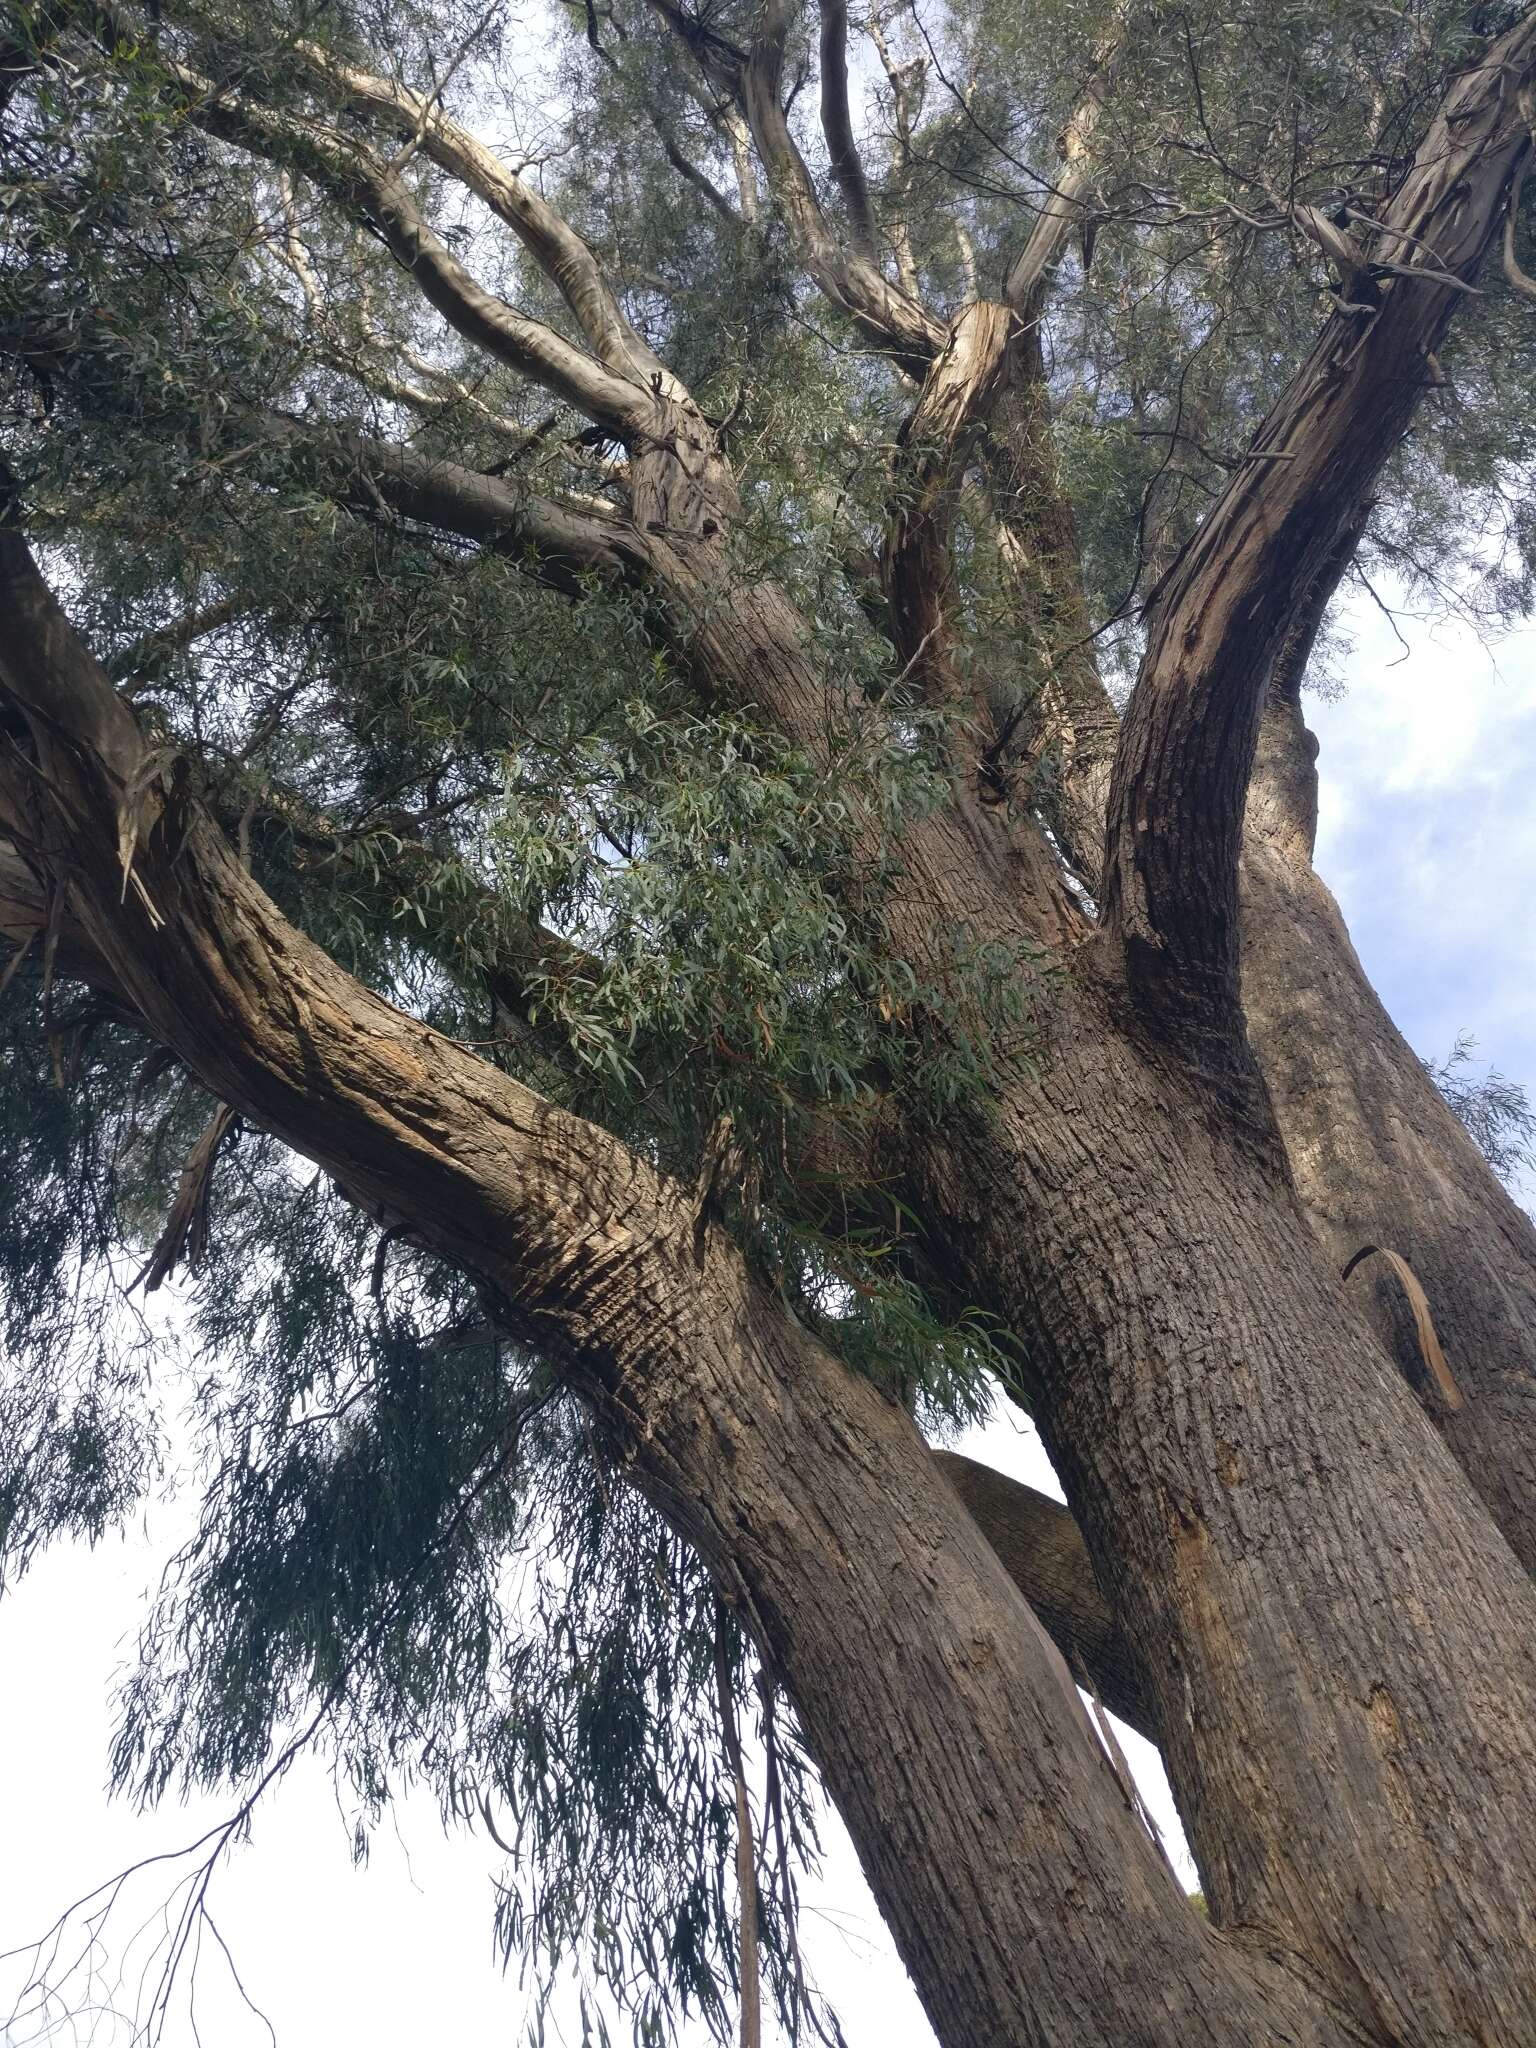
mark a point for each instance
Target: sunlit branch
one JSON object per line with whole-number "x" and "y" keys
{"x": 1066, "y": 206}
{"x": 358, "y": 176}
{"x": 554, "y": 245}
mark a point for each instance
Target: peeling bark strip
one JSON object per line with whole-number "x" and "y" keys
{"x": 751, "y": 2030}
{"x": 943, "y": 1718}
{"x": 546, "y": 235}
{"x": 186, "y": 1227}
{"x": 1423, "y": 1320}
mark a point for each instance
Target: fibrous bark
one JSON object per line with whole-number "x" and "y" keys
{"x": 1304, "y": 1594}
{"x": 796, "y": 1482}
{"x": 1043, "y": 1551}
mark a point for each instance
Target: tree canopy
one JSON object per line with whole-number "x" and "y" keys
{"x": 605, "y": 551}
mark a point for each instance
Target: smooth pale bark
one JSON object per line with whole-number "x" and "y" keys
{"x": 947, "y": 1727}
{"x": 559, "y": 251}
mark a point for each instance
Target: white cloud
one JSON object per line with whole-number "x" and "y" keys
{"x": 1428, "y": 834}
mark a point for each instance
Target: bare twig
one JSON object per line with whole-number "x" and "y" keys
{"x": 746, "y": 1859}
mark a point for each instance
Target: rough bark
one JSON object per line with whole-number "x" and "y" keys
{"x": 1186, "y": 746}
{"x": 1043, "y": 1552}
{"x": 1228, "y": 1432}
{"x": 930, "y": 1695}
{"x": 1206, "y": 1391}
{"x": 1333, "y": 1636}
{"x": 956, "y": 394}
{"x": 1228, "y": 1435}
{"x": 1377, "y": 1154}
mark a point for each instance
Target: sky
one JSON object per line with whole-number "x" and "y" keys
{"x": 1427, "y": 834}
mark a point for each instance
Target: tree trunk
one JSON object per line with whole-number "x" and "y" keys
{"x": 1228, "y": 1432}
{"x": 948, "y": 1729}
{"x": 940, "y": 1720}
{"x": 1042, "y": 1551}
{"x": 1228, "y": 1435}
{"x": 1332, "y": 1635}
{"x": 1377, "y": 1154}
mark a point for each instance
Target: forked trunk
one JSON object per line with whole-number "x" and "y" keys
{"x": 1335, "y": 1637}
{"x": 1324, "y": 1623}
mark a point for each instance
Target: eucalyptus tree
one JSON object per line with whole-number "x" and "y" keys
{"x": 689, "y": 686}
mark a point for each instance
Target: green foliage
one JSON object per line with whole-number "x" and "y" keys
{"x": 1496, "y": 1111}
{"x": 515, "y": 814}
{"x": 79, "y": 1435}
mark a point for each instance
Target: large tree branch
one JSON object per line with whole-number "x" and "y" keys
{"x": 1517, "y": 277}
{"x": 362, "y": 180}
{"x": 548, "y": 237}
{"x": 1073, "y": 721}
{"x": 1065, "y": 208}
{"x": 561, "y": 545}
{"x": 1376, "y": 1152}
{"x": 733, "y": 1420}
{"x": 1186, "y": 747}
{"x": 837, "y": 127}
{"x": 957, "y": 394}
{"x": 1044, "y": 1553}
{"x": 848, "y": 277}
{"x": 999, "y": 386}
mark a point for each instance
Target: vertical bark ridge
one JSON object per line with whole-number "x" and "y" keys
{"x": 1332, "y": 1630}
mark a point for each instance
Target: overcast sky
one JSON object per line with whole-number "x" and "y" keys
{"x": 1429, "y": 837}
